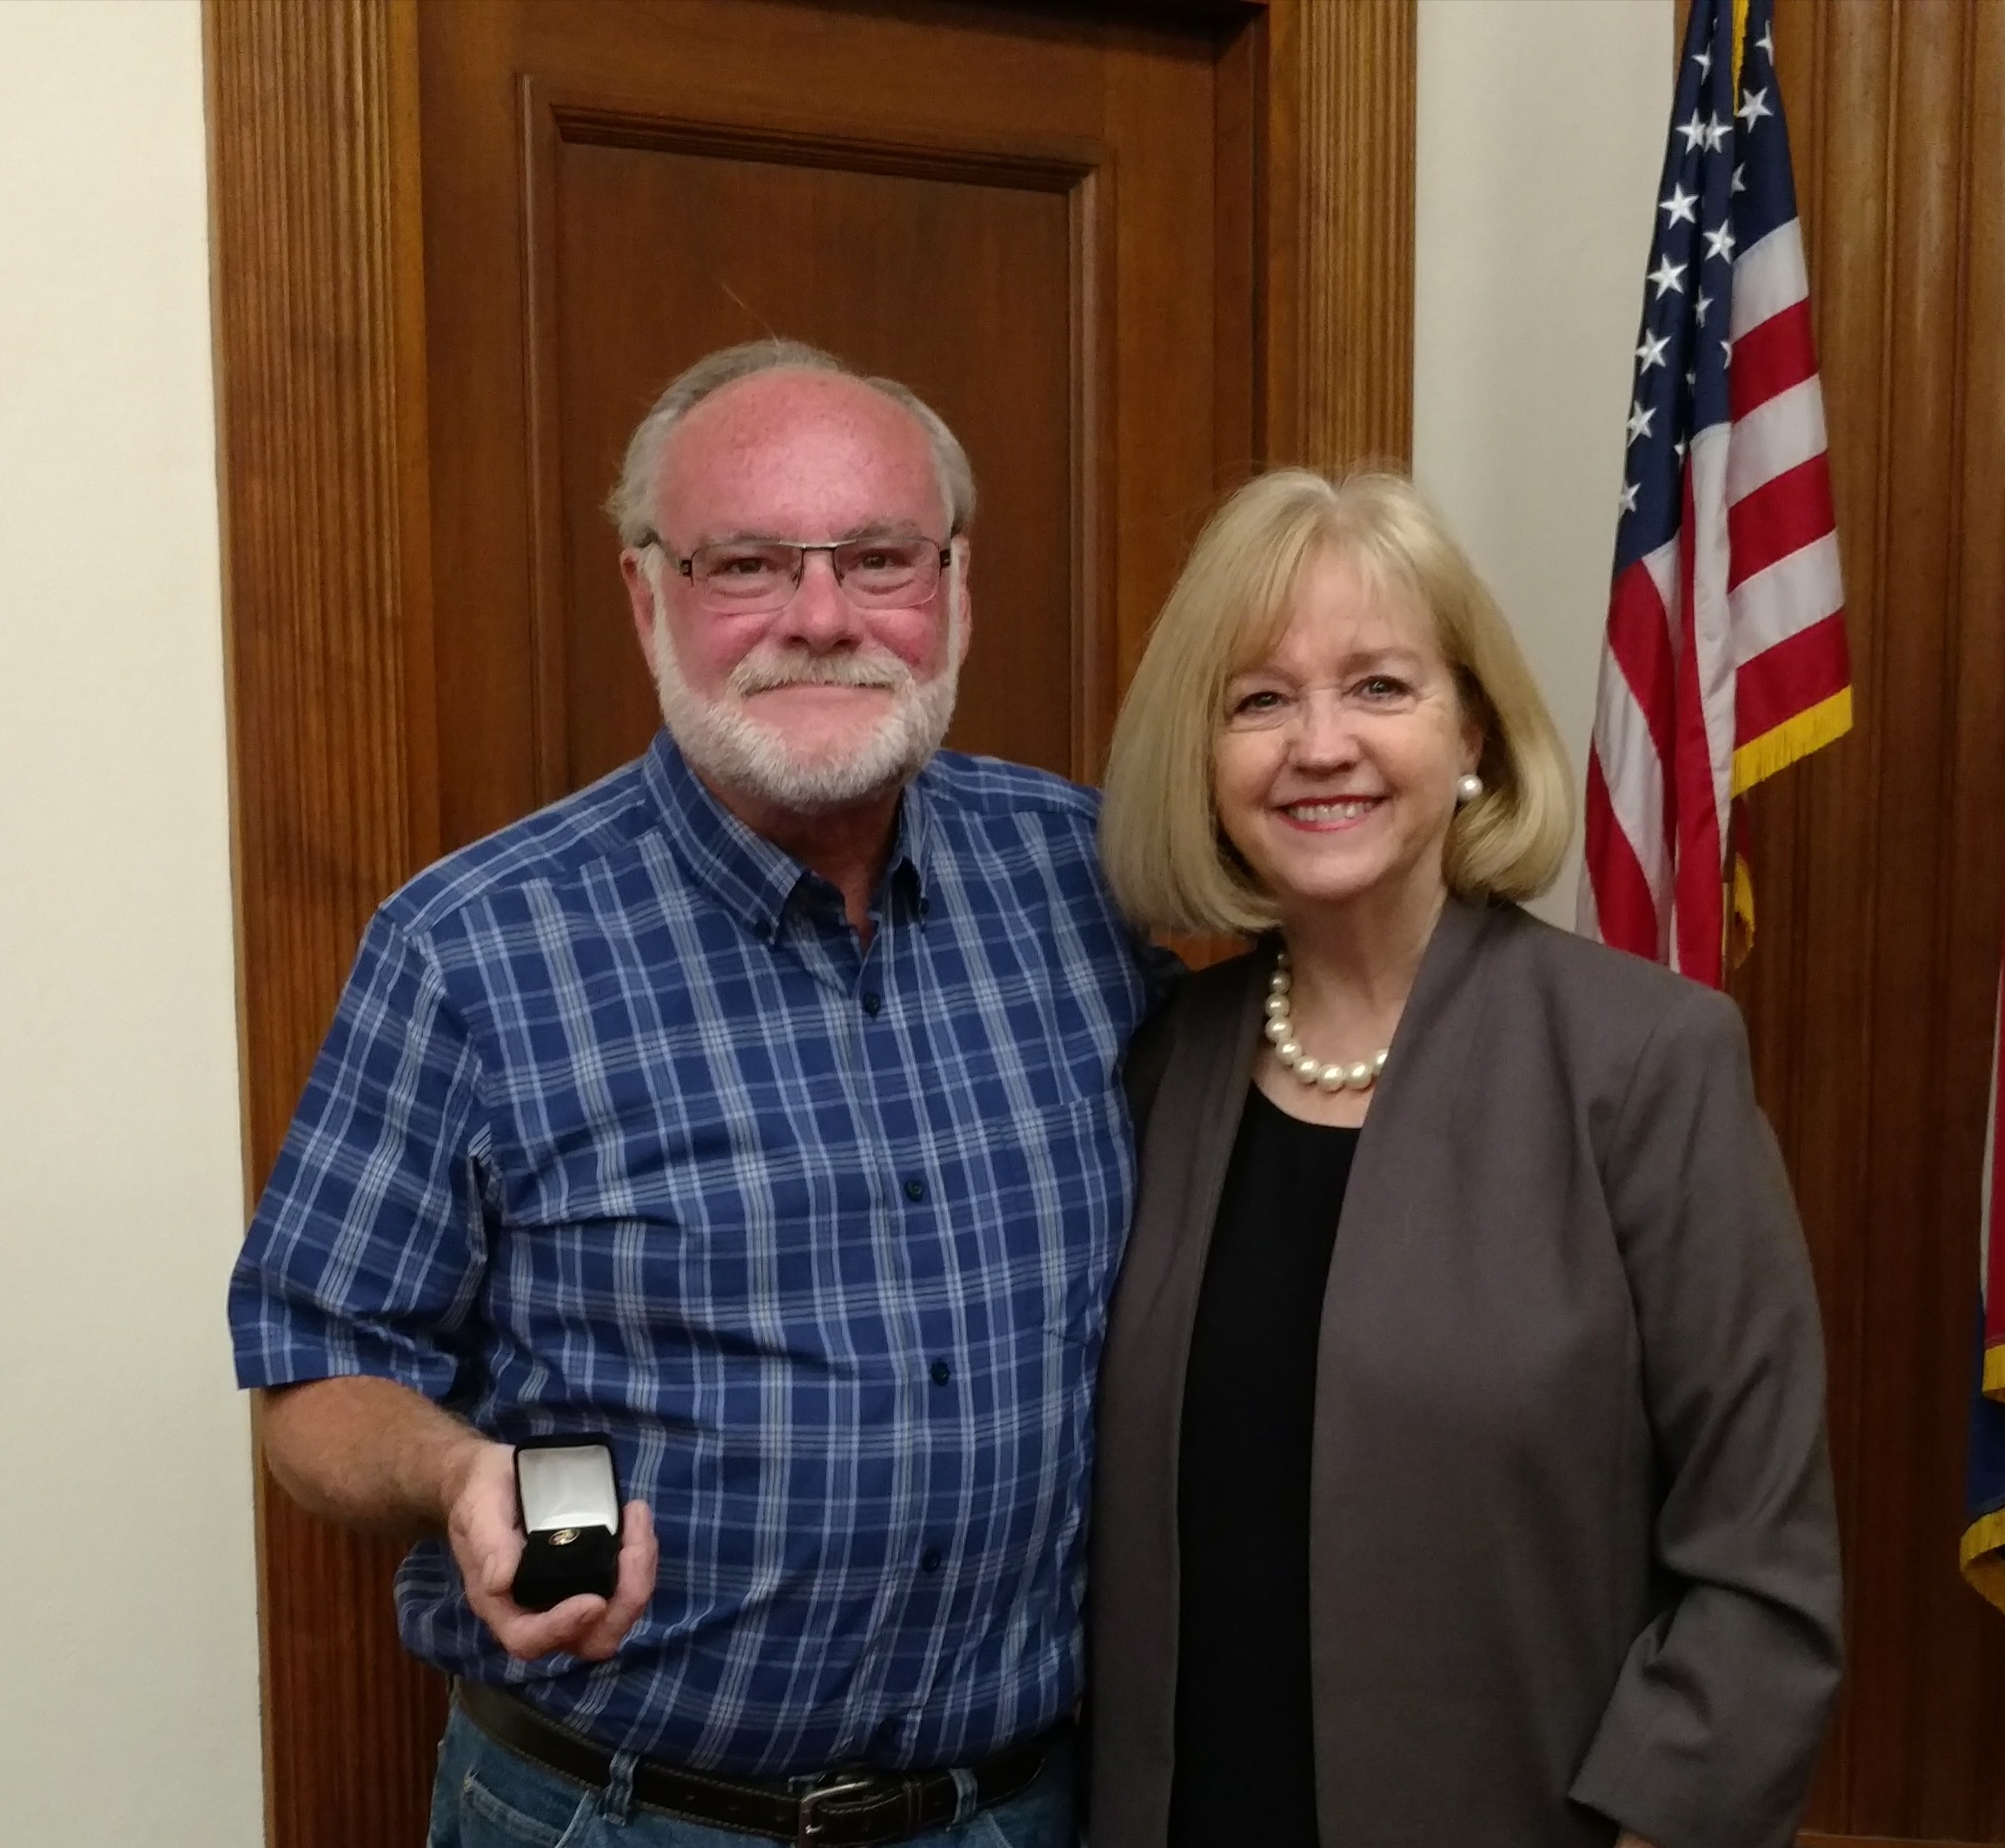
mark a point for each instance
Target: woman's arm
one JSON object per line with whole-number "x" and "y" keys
{"x": 1142, "y": 1066}
{"x": 1713, "y": 1730}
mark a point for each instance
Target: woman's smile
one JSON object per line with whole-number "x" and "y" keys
{"x": 1330, "y": 814}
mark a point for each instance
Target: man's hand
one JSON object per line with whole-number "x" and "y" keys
{"x": 487, "y": 1546}
{"x": 374, "y": 1454}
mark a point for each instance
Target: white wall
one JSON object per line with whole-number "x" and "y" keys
{"x": 129, "y": 1711}
{"x": 1541, "y": 131}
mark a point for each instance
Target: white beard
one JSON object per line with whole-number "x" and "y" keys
{"x": 733, "y": 750}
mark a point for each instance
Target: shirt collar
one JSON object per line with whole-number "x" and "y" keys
{"x": 747, "y": 873}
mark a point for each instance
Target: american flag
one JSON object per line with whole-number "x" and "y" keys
{"x": 1725, "y": 654}
{"x": 1984, "y": 1548}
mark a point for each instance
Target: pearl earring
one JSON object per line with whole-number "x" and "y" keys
{"x": 1467, "y": 787}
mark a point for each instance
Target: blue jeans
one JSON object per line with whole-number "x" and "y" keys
{"x": 488, "y": 1796}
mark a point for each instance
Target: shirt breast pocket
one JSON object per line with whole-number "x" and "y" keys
{"x": 1045, "y": 1194}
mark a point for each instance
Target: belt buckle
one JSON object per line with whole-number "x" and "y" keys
{"x": 808, "y": 1831}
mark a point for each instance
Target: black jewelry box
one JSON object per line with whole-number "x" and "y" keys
{"x": 568, "y": 1501}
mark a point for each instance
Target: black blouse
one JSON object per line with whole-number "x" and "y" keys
{"x": 1245, "y": 1760}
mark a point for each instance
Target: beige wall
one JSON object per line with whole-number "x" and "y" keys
{"x": 1541, "y": 131}
{"x": 125, "y": 1487}
{"x": 128, "y": 1712}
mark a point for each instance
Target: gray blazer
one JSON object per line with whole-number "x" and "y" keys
{"x": 1573, "y": 1557}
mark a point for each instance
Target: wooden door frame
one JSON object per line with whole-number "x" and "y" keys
{"x": 317, "y": 254}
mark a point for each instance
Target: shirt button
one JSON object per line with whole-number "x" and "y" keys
{"x": 929, "y": 1560}
{"x": 915, "y": 1190}
{"x": 872, "y": 1002}
{"x": 942, "y": 1372}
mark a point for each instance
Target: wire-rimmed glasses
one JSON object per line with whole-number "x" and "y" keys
{"x": 756, "y": 577}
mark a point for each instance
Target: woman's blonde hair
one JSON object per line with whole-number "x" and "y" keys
{"x": 1169, "y": 863}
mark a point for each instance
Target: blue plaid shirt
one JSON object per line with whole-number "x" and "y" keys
{"x": 616, "y": 1130}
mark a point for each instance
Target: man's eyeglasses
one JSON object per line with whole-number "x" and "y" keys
{"x": 756, "y": 577}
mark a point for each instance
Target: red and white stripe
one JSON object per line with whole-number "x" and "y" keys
{"x": 1787, "y": 596}
{"x": 1719, "y": 640}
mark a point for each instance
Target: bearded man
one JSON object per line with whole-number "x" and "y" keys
{"x": 755, "y": 1109}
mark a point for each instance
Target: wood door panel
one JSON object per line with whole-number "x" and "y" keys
{"x": 967, "y": 288}
{"x": 1036, "y": 259}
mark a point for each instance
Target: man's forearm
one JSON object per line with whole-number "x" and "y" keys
{"x": 368, "y": 1451}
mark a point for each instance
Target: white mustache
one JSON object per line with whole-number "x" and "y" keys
{"x": 763, "y": 671}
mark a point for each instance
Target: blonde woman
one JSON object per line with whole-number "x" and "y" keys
{"x": 1462, "y": 1476}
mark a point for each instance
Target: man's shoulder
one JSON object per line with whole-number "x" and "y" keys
{"x": 991, "y": 789}
{"x": 600, "y": 822}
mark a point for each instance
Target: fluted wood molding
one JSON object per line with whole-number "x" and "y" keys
{"x": 319, "y": 404}
{"x": 1343, "y": 123}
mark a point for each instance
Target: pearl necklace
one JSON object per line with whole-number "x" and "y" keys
{"x": 1281, "y": 1036}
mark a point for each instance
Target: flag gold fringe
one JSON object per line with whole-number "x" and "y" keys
{"x": 1984, "y": 1557}
{"x": 1984, "y": 1548}
{"x": 1739, "y": 39}
{"x": 1740, "y": 920}
{"x": 1782, "y": 744}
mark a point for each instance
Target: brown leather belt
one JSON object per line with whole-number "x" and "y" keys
{"x": 846, "y": 1809}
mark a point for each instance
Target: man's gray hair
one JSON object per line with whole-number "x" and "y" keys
{"x": 628, "y": 504}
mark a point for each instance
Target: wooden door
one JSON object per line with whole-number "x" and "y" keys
{"x": 1041, "y": 231}
{"x": 1128, "y": 250}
